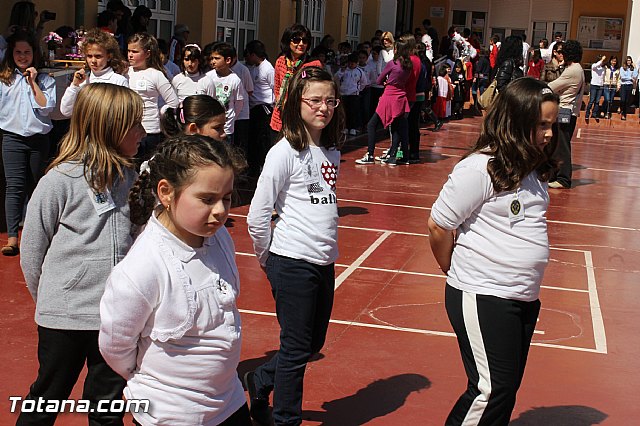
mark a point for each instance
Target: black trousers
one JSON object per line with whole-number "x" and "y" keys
{"x": 494, "y": 336}
{"x": 414, "y": 130}
{"x": 62, "y": 354}
{"x": 259, "y": 138}
{"x": 562, "y": 153}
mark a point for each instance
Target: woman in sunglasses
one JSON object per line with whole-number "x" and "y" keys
{"x": 294, "y": 46}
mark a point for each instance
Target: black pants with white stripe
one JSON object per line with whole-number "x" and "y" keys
{"x": 494, "y": 336}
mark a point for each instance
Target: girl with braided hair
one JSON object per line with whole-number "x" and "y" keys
{"x": 170, "y": 325}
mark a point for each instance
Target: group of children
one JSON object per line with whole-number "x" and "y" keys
{"x": 135, "y": 275}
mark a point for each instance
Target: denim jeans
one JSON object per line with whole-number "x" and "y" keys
{"x": 62, "y": 354}
{"x": 24, "y": 161}
{"x": 625, "y": 98}
{"x": 594, "y": 102}
{"x": 609, "y": 94}
{"x": 303, "y": 293}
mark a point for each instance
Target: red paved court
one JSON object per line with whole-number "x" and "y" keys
{"x": 390, "y": 356}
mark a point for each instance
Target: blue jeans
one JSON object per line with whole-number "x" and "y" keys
{"x": 609, "y": 94}
{"x": 24, "y": 161}
{"x": 304, "y": 298}
{"x": 594, "y": 101}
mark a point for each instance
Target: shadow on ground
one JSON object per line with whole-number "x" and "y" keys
{"x": 378, "y": 399}
{"x": 562, "y": 415}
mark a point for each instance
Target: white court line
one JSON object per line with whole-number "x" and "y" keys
{"x": 409, "y": 329}
{"x": 345, "y": 274}
{"x": 385, "y": 204}
{"x": 596, "y": 313}
{"x": 612, "y": 171}
{"x": 561, "y": 222}
{"x": 398, "y": 271}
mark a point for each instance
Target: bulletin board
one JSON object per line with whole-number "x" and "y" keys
{"x": 600, "y": 33}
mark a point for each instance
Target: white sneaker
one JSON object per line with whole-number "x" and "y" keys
{"x": 367, "y": 159}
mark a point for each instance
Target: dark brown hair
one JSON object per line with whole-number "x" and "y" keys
{"x": 293, "y": 127}
{"x": 508, "y": 135}
{"x": 8, "y": 65}
{"x": 198, "y": 109}
{"x": 177, "y": 160}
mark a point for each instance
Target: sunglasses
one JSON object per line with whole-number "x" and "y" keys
{"x": 298, "y": 39}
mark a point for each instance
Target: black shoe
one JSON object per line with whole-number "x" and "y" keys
{"x": 438, "y": 126}
{"x": 597, "y": 120}
{"x": 259, "y": 409}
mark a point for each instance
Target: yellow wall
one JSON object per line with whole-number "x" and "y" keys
{"x": 422, "y": 9}
{"x": 606, "y": 9}
{"x": 370, "y": 13}
{"x": 335, "y": 19}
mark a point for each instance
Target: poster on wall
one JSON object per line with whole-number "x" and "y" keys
{"x": 600, "y": 33}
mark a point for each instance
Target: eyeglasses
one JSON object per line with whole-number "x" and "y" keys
{"x": 298, "y": 39}
{"x": 316, "y": 103}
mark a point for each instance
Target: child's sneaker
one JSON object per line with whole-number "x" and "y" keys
{"x": 389, "y": 161}
{"x": 367, "y": 159}
{"x": 383, "y": 157}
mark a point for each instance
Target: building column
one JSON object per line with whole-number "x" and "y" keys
{"x": 632, "y": 39}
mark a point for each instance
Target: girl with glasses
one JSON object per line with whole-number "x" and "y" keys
{"x": 299, "y": 178}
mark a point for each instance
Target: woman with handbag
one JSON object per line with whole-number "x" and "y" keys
{"x": 510, "y": 60}
{"x": 569, "y": 87}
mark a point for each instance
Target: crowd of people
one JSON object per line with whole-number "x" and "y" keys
{"x": 157, "y": 319}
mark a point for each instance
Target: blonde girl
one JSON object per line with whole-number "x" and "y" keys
{"x": 170, "y": 325}
{"x": 192, "y": 67}
{"x": 147, "y": 77}
{"x": 105, "y": 63}
{"x": 299, "y": 178}
{"x": 26, "y": 100}
{"x": 77, "y": 228}
{"x": 197, "y": 114}
{"x": 387, "y": 53}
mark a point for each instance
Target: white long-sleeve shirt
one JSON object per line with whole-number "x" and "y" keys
{"x": 106, "y": 75}
{"x": 170, "y": 326}
{"x": 597, "y": 74}
{"x": 301, "y": 185}
{"x": 494, "y": 255}
{"x": 152, "y": 85}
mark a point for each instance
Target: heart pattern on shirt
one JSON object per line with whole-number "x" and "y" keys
{"x": 329, "y": 174}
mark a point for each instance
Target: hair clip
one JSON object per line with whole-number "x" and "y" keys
{"x": 144, "y": 167}
{"x": 193, "y": 45}
{"x": 547, "y": 91}
{"x": 181, "y": 113}
{"x": 304, "y": 74}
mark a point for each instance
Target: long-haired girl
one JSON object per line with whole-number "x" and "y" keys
{"x": 392, "y": 108}
{"x": 628, "y": 78}
{"x": 192, "y": 67}
{"x": 26, "y": 99}
{"x": 170, "y": 325}
{"x": 299, "y": 178}
{"x": 197, "y": 114}
{"x": 77, "y": 228}
{"x": 611, "y": 84}
{"x": 147, "y": 77}
{"x": 105, "y": 63}
{"x": 488, "y": 233}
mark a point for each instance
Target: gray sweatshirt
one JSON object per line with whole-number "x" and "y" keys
{"x": 68, "y": 250}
